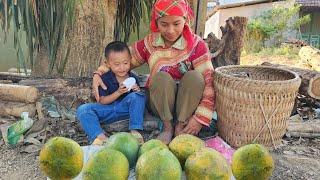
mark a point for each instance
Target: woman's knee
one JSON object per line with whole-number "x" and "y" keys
{"x": 162, "y": 79}
{"x": 193, "y": 78}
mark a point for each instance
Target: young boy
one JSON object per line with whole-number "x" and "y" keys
{"x": 115, "y": 103}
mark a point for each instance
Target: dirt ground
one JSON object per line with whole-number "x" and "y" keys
{"x": 294, "y": 159}
{"x": 297, "y": 159}
{"x": 257, "y": 60}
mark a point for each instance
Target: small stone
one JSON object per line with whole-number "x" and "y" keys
{"x": 288, "y": 152}
{"x": 72, "y": 131}
{"x": 300, "y": 152}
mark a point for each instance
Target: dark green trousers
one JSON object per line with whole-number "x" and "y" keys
{"x": 169, "y": 100}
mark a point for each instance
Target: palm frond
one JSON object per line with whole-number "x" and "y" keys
{"x": 5, "y": 16}
{"x": 129, "y": 15}
{"x": 45, "y": 23}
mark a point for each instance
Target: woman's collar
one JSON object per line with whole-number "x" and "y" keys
{"x": 158, "y": 41}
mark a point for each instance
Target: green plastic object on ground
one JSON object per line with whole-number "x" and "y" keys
{"x": 16, "y": 130}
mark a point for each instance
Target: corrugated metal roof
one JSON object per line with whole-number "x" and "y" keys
{"x": 305, "y": 3}
{"x": 309, "y": 3}
{"x": 227, "y": 2}
{"x": 236, "y": 3}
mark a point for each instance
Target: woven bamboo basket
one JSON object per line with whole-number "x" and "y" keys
{"x": 254, "y": 103}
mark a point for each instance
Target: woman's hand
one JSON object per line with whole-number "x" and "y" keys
{"x": 122, "y": 89}
{"x": 96, "y": 82}
{"x": 193, "y": 127}
{"x": 136, "y": 88}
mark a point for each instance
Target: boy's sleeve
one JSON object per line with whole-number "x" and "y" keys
{"x": 103, "y": 92}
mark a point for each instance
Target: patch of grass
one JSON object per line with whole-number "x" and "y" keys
{"x": 286, "y": 51}
{"x": 286, "y": 55}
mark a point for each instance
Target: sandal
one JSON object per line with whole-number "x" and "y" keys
{"x": 99, "y": 142}
{"x": 138, "y": 136}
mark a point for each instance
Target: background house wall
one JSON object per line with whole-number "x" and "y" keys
{"x": 311, "y": 32}
{"x": 218, "y": 19}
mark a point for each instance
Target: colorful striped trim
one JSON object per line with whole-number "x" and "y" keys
{"x": 136, "y": 57}
{"x": 204, "y": 111}
{"x": 203, "y": 121}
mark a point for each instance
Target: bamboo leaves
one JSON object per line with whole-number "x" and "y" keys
{"x": 43, "y": 21}
{"x": 45, "y": 24}
{"x": 129, "y": 14}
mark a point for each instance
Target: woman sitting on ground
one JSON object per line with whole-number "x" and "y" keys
{"x": 180, "y": 86}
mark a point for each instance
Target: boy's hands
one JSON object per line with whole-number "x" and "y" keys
{"x": 122, "y": 89}
{"x": 136, "y": 88}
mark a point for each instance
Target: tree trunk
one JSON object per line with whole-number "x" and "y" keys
{"x": 41, "y": 65}
{"x": 16, "y": 108}
{"x": 305, "y": 127}
{"x": 310, "y": 129}
{"x": 93, "y": 29}
{"x": 227, "y": 51}
{"x": 199, "y": 8}
{"x": 149, "y": 124}
{"x": 44, "y": 85}
{"x": 69, "y": 92}
{"x": 9, "y": 92}
{"x": 311, "y": 56}
{"x": 310, "y": 84}
{"x": 85, "y": 41}
{"x": 13, "y": 77}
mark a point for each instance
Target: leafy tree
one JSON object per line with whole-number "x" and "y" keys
{"x": 271, "y": 25}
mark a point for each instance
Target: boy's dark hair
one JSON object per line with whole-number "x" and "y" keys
{"x": 115, "y": 46}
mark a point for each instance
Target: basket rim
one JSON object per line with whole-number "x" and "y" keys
{"x": 293, "y": 80}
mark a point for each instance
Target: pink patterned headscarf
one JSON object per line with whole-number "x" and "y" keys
{"x": 173, "y": 8}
